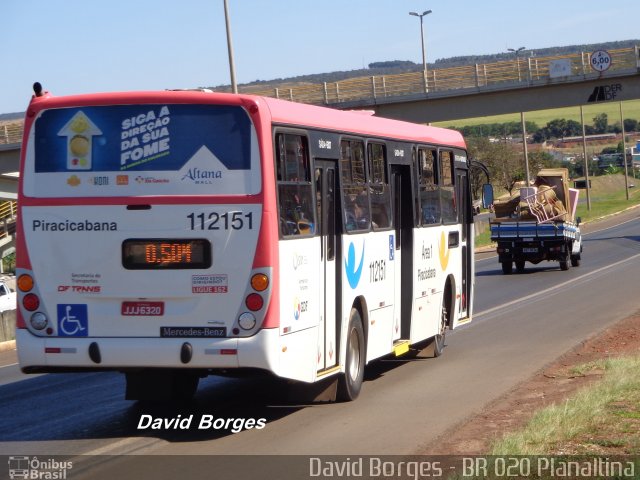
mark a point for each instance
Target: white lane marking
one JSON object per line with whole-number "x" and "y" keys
{"x": 125, "y": 446}
{"x": 612, "y": 226}
{"x": 10, "y": 365}
{"x": 556, "y": 287}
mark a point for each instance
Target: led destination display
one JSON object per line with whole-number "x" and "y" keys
{"x": 165, "y": 254}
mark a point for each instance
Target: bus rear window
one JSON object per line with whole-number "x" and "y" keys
{"x": 127, "y": 150}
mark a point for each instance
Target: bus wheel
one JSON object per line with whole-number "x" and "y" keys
{"x": 520, "y": 266}
{"x": 350, "y": 383}
{"x": 507, "y": 268}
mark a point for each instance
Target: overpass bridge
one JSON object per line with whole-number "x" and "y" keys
{"x": 519, "y": 85}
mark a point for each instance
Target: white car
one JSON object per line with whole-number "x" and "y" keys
{"x": 7, "y": 298}
{"x": 477, "y": 204}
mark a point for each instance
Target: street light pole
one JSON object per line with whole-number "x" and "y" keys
{"x": 424, "y": 57}
{"x": 232, "y": 67}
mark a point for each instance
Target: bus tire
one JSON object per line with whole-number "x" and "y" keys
{"x": 350, "y": 383}
{"x": 507, "y": 267}
{"x": 520, "y": 266}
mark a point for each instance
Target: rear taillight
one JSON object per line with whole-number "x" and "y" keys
{"x": 256, "y": 297}
{"x": 25, "y": 283}
{"x": 254, "y": 302}
{"x": 31, "y": 303}
{"x": 259, "y": 282}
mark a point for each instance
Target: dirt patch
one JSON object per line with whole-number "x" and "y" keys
{"x": 553, "y": 384}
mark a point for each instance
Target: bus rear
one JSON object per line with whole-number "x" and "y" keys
{"x": 141, "y": 237}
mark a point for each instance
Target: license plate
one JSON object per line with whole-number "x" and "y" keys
{"x": 142, "y": 309}
{"x": 529, "y": 250}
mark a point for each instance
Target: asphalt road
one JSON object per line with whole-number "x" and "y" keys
{"x": 522, "y": 322}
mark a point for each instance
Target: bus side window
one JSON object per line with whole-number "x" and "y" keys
{"x": 428, "y": 186}
{"x": 447, "y": 188}
{"x": 379, "y": 189}
{"x": 295, "y": 201}
{"x": 355, "y": 192}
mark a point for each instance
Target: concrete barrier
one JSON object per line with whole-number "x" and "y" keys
{"x": 7, "y": 325}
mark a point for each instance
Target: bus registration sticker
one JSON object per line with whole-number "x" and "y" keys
{"x": 151, "y": 309}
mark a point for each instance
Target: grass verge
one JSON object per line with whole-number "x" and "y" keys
{"x": 607, "y": 204}
{"x": 631, "y": 109}
{"x": 603, "y": 419}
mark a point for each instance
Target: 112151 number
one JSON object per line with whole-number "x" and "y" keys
{"x": 221, "y": 221}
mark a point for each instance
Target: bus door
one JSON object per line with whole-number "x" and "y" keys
{"x": 403, "y": 219}
{"x": 465, "y": 219}
{"x": 326, "y": 196}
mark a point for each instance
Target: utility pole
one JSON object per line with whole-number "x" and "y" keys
{"x": 232, "y": 67}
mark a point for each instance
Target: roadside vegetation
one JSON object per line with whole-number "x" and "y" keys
{"x": 602, "y": 419}
{"x": 538, "y": 118}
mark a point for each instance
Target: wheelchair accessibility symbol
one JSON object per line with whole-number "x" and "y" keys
{"x": 73, "y": 320}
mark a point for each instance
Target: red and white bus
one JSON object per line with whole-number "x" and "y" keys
{"x": 171, "y": 235}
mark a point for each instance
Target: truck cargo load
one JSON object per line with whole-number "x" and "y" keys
{"x": 539, "y": 223}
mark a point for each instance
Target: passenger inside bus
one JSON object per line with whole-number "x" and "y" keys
{"x": 357, "y": 212}
{"x": 296, "y": 217}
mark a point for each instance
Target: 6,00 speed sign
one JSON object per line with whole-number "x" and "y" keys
{"x": 600, "y": 60}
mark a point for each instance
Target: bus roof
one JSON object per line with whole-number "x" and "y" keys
{"x": 359, "y": 122}
{"x": 281, "y": 111}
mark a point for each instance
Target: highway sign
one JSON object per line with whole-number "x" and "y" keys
{"x": 600, "y": 60}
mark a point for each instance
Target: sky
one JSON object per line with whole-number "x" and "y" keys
{"x": 84, "y": 46}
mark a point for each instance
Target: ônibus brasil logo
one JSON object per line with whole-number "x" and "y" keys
{"x": 35, "y": 468}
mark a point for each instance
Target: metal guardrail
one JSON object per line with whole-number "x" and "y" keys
{"x": 8, "y": 211}
{"x": 520, "y": 71}
{"x": 524, "y": 71}
{"x": 11, "y": 132}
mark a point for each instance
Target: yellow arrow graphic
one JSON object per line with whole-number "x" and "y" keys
{"x": 444, "y": 252}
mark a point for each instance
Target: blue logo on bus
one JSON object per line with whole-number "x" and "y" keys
{"x": 73, "y": 320}
{"x": 353, "y": 273}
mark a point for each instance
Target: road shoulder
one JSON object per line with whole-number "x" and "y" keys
{"x": 553, "y": 384}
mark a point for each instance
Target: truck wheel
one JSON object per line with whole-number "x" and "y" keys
{"x": 564, "y": 265}
{"x": 520, "y": 266}
{"x": 507, "y": 268}
{"x": 575, "y": 260}
{"x": 350, "y": 383}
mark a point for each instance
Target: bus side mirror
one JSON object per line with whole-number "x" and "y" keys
{"x": 487, "y": 195}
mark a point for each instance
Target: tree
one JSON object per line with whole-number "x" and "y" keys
{"x": 601, "y": 123}
{"x": 539, "y": 160}
{"x": 505, "y": 164}
{"x": 630, "y": 125}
